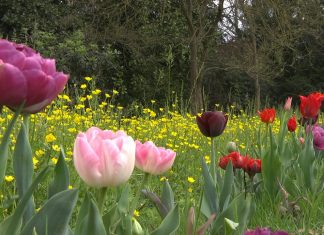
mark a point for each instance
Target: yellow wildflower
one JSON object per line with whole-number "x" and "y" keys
{"x": 9, "y": 178}
{"x": 50, "y": 138}
{"x": 191, "y": 180}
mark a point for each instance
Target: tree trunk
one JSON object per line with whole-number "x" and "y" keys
{"x": 257, "y": 92}
{"x": 196, "y": 98}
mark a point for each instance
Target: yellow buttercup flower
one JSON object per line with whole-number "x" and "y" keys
{"x": 9, "y": 178}
{"x": 50, "y": 138}
{"x": 136, "y": 213}
{"x": 88, "y": 79}
{"x": 191, "y": 180}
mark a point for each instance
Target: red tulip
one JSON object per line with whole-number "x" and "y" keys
{"x": 310, "y": 105}
{"x": 292, "y": 124}
{"x": 235, "y": 157}
{"x": 267, "y": 115}
{"x": 212, "y": 124}
{"x": 223, "y": 161}
{"x": 26, "y": 77}
{"x": 252, "y": 166}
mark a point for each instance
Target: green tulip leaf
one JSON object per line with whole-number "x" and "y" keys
{"x": 59, "y": 209}
{"x": 227, "y": 187}
{"x": 4, "y": 146}
{"x": 82, "y": 213}
{"x": 162, "y": 209}
{"x": 209, "y": 203}
{"x": 12, "y": 224}
{"x": 23, "y": 166}
{"x": 123, "y": 203}
{"x": 92, "y": 223}
{"x": 170, "y": 224}
{"x": 167, "y": 197}
{"x": 61, "y": 176}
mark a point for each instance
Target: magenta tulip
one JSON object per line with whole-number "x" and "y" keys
{"x": 26, "y": 77}
{"x": 318, "y": 137}
{"x": 152, "y": 159}
{"x": 264, "y": 231}
{"x": 104, "y": 158}
{"x": 212, "y": 124}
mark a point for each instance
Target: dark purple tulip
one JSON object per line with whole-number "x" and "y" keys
{"x": 264, "y": 231}
{"x": 212, "y": 124}
{"x": 26, "y": 77}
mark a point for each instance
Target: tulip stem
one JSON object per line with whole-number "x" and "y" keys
{"x": 138, "y": 193}
{"x": 101, "y": 199}
{"x": 213, "y": 160}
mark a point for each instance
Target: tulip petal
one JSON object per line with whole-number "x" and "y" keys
{"x": 86, "y": 161}
{"x": 13, "y": 86}
{"x": 15, "y": 58}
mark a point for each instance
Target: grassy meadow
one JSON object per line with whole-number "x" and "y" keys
{"x": 168, "y": 127}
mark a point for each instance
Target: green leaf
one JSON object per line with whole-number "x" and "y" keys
{"x": 12, "y": 224}
{"x": 163, "y": 211}
{"x": 306, "y": 161}
{"x": 238, "y": 210}
{"x": 111, "y": 219}
{"x": 92, "y": 222}
{"x": 210, "y": 197}
{"x": 167, "y": 197}
{"x": 23, "y": 166}
{"x": 125, "y": 227}
{"x": 123, "y": 203}
{"x": 53, "y": 218}
{"x": 61, "y": 176}
{"x": 227, "y": 187}
{"x": 170, "y": 224}
{"x": 82, "y": 213}
{"x": 4, "y": 146}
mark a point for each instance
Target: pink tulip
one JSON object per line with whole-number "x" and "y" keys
{"x": 104, "y": 158}
{"x": 25, "y": 76}
{"x": 288, "y": 104}
{"x": 152, "y": 159}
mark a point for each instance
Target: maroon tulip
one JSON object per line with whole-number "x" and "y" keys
{"x": 26, "y": 77}
{"x": 212, "y": 124}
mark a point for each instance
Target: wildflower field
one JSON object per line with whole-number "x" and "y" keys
{"x": 207, "y": 190}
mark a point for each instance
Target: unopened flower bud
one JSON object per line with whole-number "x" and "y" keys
{"x": 136, "y": 227}
{"x": 231, "y": 147}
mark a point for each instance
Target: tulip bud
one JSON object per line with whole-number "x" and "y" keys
{"x": 302, "y": 140}
{"x": 287, "y": 106}
{"x": 231, "y": 147}
{"x": 292, "y": 124}
{"x": 136, "y": 227}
